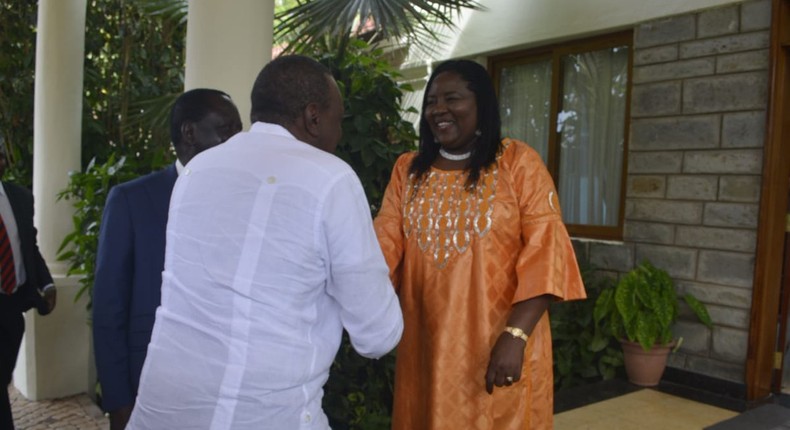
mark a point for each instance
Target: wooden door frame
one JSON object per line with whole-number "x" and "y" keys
{"x": 773, "y": 207}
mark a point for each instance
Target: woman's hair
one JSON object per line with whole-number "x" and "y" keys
{"x": 488, "y": 143}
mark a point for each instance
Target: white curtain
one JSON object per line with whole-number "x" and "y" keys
{"x": 591, "y": 123}
{"x": 524, "y": 102}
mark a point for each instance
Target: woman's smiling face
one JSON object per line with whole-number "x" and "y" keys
{"x": 451, "y": 112}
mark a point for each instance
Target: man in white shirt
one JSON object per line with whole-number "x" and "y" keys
{"x": 270, "y": 255}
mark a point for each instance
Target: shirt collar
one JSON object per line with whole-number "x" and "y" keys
{"x": 266, "y": 127}
{"x": 2, "y": 189}
{"x": 179, "y": 167}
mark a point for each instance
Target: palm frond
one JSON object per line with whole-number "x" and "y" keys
{"x": 150, "y": 114}
{"x": 311, "y": 20}
{"x": 170, "y": 10}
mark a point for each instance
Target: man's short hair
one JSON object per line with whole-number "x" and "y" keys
{"x": 192, "y": 106}
{"x": 285, "y": 87}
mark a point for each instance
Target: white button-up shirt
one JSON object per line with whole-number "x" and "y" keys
{"x": 270, "y": 254}
{"x": 13, "y": 237}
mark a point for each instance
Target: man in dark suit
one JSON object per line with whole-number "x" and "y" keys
{"x": 25, "y": 281}
{"x": 131, "y": 250}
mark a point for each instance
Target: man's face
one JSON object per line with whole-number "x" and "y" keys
{"x": 218, "y": 126}
{"x": 331, "y": 124}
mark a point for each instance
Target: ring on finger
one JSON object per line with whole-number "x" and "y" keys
{"x": 509, "y": 379}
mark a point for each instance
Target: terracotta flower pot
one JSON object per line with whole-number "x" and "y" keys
{"x": 645, "y": 368}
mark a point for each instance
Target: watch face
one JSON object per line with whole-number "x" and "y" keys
{"x": 516, "y": 332}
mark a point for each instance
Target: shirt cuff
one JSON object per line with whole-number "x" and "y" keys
{"x": 47, "y": 287}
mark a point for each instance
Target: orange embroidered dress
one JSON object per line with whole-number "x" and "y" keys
{"x": 459, "y": 260}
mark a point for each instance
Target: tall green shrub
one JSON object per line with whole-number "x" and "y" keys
{"x": 359, "y": 392}
{"x": 374, "y": 132}
{"x": 134, "y": 64}
{"x": 17, "y": 67}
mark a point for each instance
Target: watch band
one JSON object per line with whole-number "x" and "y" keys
{"x": 517, "y": 332}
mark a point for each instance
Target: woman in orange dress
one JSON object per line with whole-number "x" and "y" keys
{"x": 472, "y": 232}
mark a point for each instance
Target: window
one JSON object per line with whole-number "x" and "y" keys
{"x": 570, "y": 103}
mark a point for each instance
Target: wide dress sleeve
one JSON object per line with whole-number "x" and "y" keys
{"x": 389, "y": 220}
{"x": 547, "y": 263}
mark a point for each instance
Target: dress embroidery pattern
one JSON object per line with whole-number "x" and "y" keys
{"x": 445, "y": 216}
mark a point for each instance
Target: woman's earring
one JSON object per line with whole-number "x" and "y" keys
{"x": 478, "y": 133}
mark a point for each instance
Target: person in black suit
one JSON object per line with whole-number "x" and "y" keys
{"x": 25, "y": 281}
{"x": 131, "y": 252}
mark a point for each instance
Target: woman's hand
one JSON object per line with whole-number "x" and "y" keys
{"x": 504, "y": 366}
{"x": 507, "y": 355}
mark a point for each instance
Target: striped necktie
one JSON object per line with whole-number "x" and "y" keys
{"x": 7, "y": 267}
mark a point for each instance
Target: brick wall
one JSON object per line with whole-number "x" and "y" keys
{"x": 698, "y": 109}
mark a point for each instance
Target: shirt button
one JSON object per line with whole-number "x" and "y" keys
{"x": 271, "y": 179}
{"x": 307, "y": 417}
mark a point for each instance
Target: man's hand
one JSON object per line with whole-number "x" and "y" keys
{"x": 51, "y": 297}
{"x": 120, "y": 417}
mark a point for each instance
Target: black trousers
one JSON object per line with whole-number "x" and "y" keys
{"x": 12, "y": 326}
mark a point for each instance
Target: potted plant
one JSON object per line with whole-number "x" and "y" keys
{"x": 640, "y": 311}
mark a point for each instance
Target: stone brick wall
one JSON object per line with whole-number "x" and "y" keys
{"x": 698, "y": 110}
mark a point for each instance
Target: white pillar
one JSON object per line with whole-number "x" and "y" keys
{"x": 54, "y": 357}
{"x": 227, "y": 45}
{"x": 57, "y": 118}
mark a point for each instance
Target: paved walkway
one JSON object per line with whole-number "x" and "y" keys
{"x": 69, "y": 413}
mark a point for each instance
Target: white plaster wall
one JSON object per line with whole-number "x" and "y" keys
{"x": 511, "y": 24}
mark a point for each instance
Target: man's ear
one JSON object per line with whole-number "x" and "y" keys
{"x": 187, "y": 133}
{"x": 312, "y": 118}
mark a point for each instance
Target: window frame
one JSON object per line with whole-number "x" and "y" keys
{"x": 555, "y": 52}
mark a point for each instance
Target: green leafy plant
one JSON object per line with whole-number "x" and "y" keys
{"x": 88, "y": 191}
{"x": 583, "y": 353}
{"x": 643, "y": 307}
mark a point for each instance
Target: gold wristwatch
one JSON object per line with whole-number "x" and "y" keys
{"x": 517, "y": 332}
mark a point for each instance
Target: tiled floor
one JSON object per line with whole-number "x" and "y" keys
{"x": 645, "y": 409}
{"x": 69, "y": 413}
{"x": 613, "y": 405}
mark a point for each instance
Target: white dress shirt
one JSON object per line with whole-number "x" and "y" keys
{"x": 270, "y": 254}
{"x": 13, "y": 236}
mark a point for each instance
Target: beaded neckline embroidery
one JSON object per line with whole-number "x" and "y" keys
{"x": 444, "y": 216}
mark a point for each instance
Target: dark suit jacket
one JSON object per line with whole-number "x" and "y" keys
{"x": 36, "y": 270}
{"x": 126, "y": 290}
